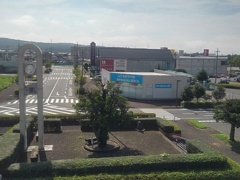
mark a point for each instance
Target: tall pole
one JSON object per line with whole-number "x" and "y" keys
{"x": 177, "y": 92}
{"x": 82, "y": 62}
{"x": 216, "y": 66}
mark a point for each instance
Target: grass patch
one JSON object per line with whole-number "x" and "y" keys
{"x": 197, "y": 124}
{"x": 222, "y": 137}
{"x": 225, "y": 138}
{"x": 6, "y": 81}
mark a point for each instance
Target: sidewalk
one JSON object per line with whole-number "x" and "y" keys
{"x": 205, "y": 136}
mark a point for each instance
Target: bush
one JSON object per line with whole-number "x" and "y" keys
{"x": 144, "y": 115}
{"x": 127, "y": 164}
{"x": 165, "y": 125}
{"x": 52, "y": 126}
{"x": 194, "y": 105}
{"x": 10, "y": 149}
{"x": 6, "y": 121}
{"x": 230, "y": 86}
{"x": 194, "y": 146}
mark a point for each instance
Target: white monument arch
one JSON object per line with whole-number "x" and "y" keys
{"x": 27, "y": 68}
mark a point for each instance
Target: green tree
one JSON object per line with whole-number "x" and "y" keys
{"x": 202, "y": 76}
{"x": 105, "y": 108}
{"x": 235, "y": 61}
{"x": 219, "y": 93}
{"x": 85, "y": 66}
{"x": 198, "y": 91}
{"x": 48, "y": 66}
{"x": 187, "y": 94}
{"x": 228, "y": 111}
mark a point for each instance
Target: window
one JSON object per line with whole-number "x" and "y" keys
{"x": 223, "y": 62}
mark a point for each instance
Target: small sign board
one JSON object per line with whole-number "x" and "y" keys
{"x": 30, "y": 87}
{"x": 163, "y": 85}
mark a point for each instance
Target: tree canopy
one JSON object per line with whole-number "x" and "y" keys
{"x": 229, "y": 111}
{"x": 187, "y": 94}
{"x": 219, "y": 93}
{"x": 198, "y": 91}
{"x": 235, "y": 61}
{"x": 202, "y": 76}
{"x": 105, "y": 108}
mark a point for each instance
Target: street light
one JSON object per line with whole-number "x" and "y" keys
{"x": 177, "y": 91}
{"x": 216, "y": 66}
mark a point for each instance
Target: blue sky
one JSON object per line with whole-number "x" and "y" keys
{"x": 189, "y": 25}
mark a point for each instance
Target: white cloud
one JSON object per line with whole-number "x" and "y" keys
{"x": 128, "y": 28}
{"x": 180, "y": 24}
{"x": 24, "y": 20}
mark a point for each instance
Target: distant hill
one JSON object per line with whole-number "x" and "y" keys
{"x": 12, "y": 44}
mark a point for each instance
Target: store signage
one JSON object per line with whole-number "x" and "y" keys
{"x": 127, "y": 78}
{"x": 107, "y": 64}
{"x": 163, "y": 85}
{"x": 120, "y": 65}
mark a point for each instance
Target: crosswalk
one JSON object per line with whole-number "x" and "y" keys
{"x": 47, "y": 109}
{"x": 56, "y": 78}
{"x": 61, "y": 74}
{"x": 160, "y": 113}
{"x": 50, "y": 100}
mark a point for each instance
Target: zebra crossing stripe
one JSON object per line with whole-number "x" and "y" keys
{"x": 35, "y": 101}
{"x": 27, "y": 100}
{"x": 206, "y": 121}
{"x": 32, "y": 101}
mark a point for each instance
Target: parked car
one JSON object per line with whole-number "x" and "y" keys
{"x": 223, "y": 80}
{"x": 97, "y": 78}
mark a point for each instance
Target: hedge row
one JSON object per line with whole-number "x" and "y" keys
{"x": 148, "y": 124}
{"x": 66, "y": 119}
{"x": 11, "y": 145}
{"x": 114, "y": 165}
{"x": 7, "y": 121}
{"x": 194, "y": 105}
{"x": 186, "y": 175}
{"x": 167, "y": 126}
{"x": 10, "y": 148}
{"x": 194, "y": 146}
{"x": 231, "y": 86}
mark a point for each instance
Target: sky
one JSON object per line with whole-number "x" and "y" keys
{"x": 189, "y": 25}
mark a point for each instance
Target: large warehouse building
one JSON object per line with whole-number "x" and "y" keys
{"x": 137, "y": 60}
{"x": 148, "y": 85}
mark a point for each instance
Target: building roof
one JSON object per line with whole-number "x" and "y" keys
{"x": 135, "y": 53}
{"x": 204, "y": 57}
{"x": 142, "y": 73}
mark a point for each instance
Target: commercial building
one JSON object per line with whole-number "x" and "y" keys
{"x": 213, "y": 65}
{"x": 137, "y": 60}
{"x": 148, "y": 85}
{"x": 8, "y": 61}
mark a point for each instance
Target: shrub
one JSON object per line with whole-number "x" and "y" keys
{"x": 10, "y": 149}
{"x": 6, "y": 121}
{"x": 165, "y": 125}
{"x": 194, "y": 105}
{"x": 127, "y": 164}
{"x": 52, "y": 126}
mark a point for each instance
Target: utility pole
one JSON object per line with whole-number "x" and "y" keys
{"x": 82, "y": 61}
{"x": 216, "y": 66}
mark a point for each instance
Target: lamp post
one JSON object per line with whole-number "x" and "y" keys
{"x": 216, "y": 66}
{"x": 177, "y": 91}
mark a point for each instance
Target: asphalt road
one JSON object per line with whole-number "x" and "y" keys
{"x": 58, "y": 94}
